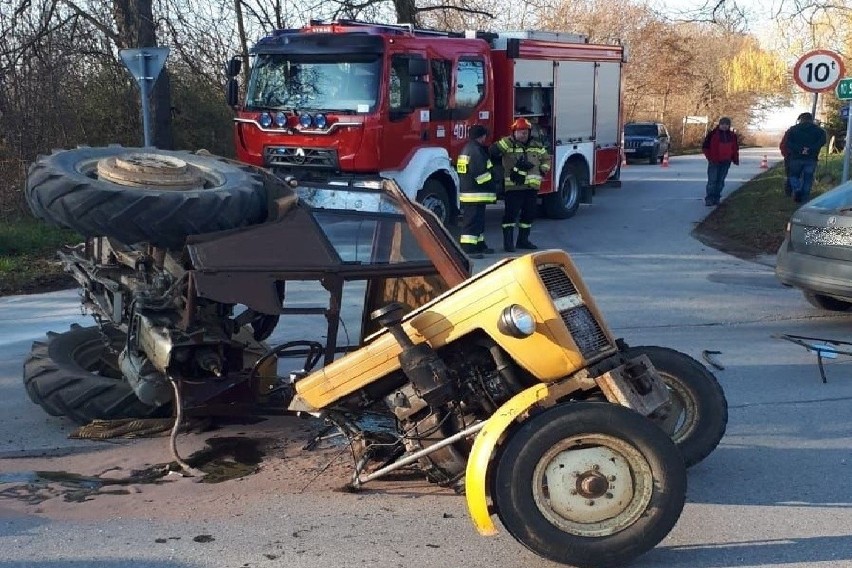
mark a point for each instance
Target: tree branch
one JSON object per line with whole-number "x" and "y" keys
{"x": 454, "y": 8}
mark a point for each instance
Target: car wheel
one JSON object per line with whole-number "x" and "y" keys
{"x": 434, "y": 197}
{"x": 652, "y": 159}
{"x": 564, "y": 203}
{"x": 827, "y": 302}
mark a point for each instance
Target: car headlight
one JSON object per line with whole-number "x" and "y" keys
{"x": 265, "y": 119}
{"x": 281, "y": 120}
{"x": 648, "y": 143}
{"x": 320, "y": 121}
{"x": 516, "y": 321}
{"x": 305, "y": 120}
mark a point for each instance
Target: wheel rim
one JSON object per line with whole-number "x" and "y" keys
{"x": 592, "y": 485}
{"x": 436, "y": 205}
{"x": 146, "y": 170}
{"x": 682, "y": 418}
{"x": 570, "y": 191}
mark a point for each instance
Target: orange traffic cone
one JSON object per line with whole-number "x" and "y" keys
{"x": 764, "y": 163}
{"x": 665, "y": 162}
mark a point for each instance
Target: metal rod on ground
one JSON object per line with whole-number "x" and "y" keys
{"x": 419, "y": 454}
{"x": 846, "y": 143}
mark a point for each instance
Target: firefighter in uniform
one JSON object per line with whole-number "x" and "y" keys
{"x": 524, "y": 162}
{"x": 476, "y": 190}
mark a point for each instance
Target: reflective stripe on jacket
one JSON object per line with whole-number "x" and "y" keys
{"x": 509, "y": 151}
{"x": 476, "y": 183}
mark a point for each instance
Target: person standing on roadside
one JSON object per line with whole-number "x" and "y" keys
{"x": 523, "y": 162}
{"x": 785, "y": 153}
{"x": 476, "y": 190}
{"x": 721, "y": 148}
{"x": 803, "y": 143}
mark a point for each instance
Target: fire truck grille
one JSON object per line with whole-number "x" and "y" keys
{"x": 289, "y": 156}
{"x": 585, "y": 329}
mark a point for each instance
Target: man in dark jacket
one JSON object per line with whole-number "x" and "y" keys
{"x": 785, "y": 153}
{"x": 721, "y": 148}
{"x": 803, "y": 143}
{"x": 476, "y": 190}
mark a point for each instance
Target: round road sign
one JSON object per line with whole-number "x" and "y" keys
{"x": 818, "y": 70}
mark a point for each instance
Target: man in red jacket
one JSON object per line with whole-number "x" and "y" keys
{"x": 721, "y": 149}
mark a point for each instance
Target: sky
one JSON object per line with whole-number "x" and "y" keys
{"x": 760, "y": 14}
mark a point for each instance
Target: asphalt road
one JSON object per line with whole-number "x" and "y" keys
{"x": 775, "y": 493}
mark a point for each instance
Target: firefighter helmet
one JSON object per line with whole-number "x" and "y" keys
{"x": 521, "y": 124}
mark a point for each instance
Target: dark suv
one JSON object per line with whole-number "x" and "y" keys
{"x": 646, "y": 141}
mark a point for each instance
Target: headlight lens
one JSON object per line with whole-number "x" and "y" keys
{"x": 265, "y": 119}
{"x": 281, "y": 120}
{"x": 305, "y": 120}
{"x": 320, "y": 121}
{"x": 516, "y": 321}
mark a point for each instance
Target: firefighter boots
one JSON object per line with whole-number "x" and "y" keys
{"x": 524, "y": 240}
{"x": 509, "y": 239}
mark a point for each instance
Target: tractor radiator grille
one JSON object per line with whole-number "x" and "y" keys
{"x": 584, "y": 328}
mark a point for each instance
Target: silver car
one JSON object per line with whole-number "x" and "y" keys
{"x": 816, "y": 255}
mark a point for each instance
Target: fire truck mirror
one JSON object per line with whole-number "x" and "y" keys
{"x": 233, "y": 92}
{"x": 418, "y": 94}
{"x": 417, "y": 66}
{"x": 234, "y": 66}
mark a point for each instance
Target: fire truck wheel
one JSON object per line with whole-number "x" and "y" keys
{"x": 143, "y": 194}
{"x": 699, "y": 415}
{"x": 564, "y": 203}
{"x": 75, "y": 374}
{"x": 434, "y": 197}
{"x": 589, "y": 484}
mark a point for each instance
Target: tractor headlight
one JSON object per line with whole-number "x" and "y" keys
{"x": 516, "y": 321}
{"x": 265, "y": 119}
{"x": 320, "y": 121}
{"x": 305, "y": 120}
{"x": 281, "y": 120}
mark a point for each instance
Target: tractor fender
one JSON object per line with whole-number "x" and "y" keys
{"x": 476, "y": 473}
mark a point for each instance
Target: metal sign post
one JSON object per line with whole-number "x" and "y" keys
{"x": 145, "y": 64}
{"x": 844, "y": 93}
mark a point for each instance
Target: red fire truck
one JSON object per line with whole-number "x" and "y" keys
{"x": 348, "y": 102}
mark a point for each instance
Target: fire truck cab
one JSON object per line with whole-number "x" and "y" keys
{"x": 348, "y": 102}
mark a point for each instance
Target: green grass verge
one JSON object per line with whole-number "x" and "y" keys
{"x": 28, "y": 260}
{"x": 751, "y": 221}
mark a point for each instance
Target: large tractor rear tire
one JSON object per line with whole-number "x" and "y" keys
{"x": 75, "y": 374}
{"x": 144, "y": 194}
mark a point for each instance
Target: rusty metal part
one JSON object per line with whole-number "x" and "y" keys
{"x": 621, "y": 389}
{"x": 450, "y": 262}
{"x": 151, "y": 170}
{"x": 358, "y": 480}
{"x": 592, "y": 485}
{"x": 707, "y": 356}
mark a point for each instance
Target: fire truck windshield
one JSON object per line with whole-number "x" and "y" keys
{"x": 348, "y": 84}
